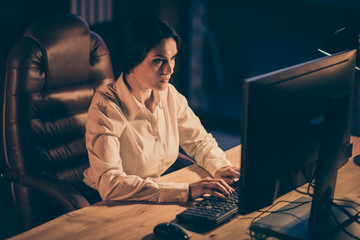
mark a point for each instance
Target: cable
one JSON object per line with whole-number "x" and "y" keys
{"x": 305, "y": 193}
{"x": 348, "y": 201}
{"x": 341, "y": 225}
{"x": 282, "y": 211}
{"x": 308, "y": 180}
{"x": 287, "y": 209}
{"x": 254, "y": 234}
{"x": 266, "y": 211}
{"x": 346, "y": 212}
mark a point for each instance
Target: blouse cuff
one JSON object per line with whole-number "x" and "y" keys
{"x": 217, "y": 164}
{"x": 173, "y": 192}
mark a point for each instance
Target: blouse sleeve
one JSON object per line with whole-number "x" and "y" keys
{"x": 195, "y": 140}
{"x": 103, "y": 130}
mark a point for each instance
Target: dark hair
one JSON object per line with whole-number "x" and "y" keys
{"x": 138, "y": 36}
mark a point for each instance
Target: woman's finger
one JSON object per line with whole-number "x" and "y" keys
{"x": 220, "y": 185}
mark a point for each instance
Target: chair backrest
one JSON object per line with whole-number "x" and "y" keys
{"x": 52, "y": 74}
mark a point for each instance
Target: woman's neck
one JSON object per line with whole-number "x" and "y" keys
{"x": 144, "y": 96}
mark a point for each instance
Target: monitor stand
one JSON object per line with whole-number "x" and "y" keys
{"x": 292, "y": 222}
{"x": 314, "y": 218}
{"x": 357, "y": 160}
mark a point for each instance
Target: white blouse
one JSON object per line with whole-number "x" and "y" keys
{"x": 129, "y": 147}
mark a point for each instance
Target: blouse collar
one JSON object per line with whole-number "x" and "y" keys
{"x": 125, "y": 96}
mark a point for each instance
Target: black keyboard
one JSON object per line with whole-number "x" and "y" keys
{"x": 211, "y": 211}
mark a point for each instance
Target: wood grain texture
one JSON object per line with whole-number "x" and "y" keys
{"x": 134, "y": 220}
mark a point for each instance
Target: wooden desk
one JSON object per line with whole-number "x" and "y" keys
{"x": 116, "y": 220}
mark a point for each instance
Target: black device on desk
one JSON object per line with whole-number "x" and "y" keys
{"x": 170, "y": 230}
{"x": 296, "y": 128}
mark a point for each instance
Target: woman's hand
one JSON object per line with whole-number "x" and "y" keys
{"x": 214, "y": 187}
{"x": 229, "y": 174}
{"x": 218, "y": 186}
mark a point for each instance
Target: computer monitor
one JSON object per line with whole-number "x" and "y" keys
{"x": 296, "y": 130}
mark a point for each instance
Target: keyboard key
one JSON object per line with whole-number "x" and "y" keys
{"x": 211, "y": 211}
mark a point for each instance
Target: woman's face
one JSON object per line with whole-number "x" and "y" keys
{"x": 156, "y": 69}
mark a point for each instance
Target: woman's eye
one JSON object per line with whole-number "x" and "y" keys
{"x": 162, "y": 60}
{"x": 158, "y": 60}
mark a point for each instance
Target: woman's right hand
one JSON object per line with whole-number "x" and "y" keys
{"x": 215, "y": 187}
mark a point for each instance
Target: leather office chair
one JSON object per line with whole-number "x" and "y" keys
{"x": 51, "y": 76}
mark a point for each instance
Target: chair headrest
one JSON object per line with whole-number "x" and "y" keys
{"x": 65, "y": 43}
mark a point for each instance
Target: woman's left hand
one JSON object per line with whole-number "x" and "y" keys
{"x": 228, "y": 174}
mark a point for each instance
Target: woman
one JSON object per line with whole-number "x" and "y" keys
{"x": 135, "y": 126}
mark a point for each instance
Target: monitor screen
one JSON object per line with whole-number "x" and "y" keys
{"x": 286, "y": 120}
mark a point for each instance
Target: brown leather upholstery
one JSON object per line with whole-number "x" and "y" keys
{"x": 51, "y": 76}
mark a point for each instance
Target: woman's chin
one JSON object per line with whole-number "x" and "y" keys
{"x": 162, "y": 86}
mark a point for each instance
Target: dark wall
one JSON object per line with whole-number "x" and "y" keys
{"x": 253, "y": 37}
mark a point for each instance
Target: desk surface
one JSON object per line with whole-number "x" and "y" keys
{"x": 118, "y": 220}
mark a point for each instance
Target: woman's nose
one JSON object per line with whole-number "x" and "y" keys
{"x": 168, "y": 67}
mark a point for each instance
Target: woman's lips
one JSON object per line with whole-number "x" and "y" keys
{"x": 165, "y": 80}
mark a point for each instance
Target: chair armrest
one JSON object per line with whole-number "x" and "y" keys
{"x": 63, "y": 193}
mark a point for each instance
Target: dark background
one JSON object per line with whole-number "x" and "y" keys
{"x": 223, "y": 43}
